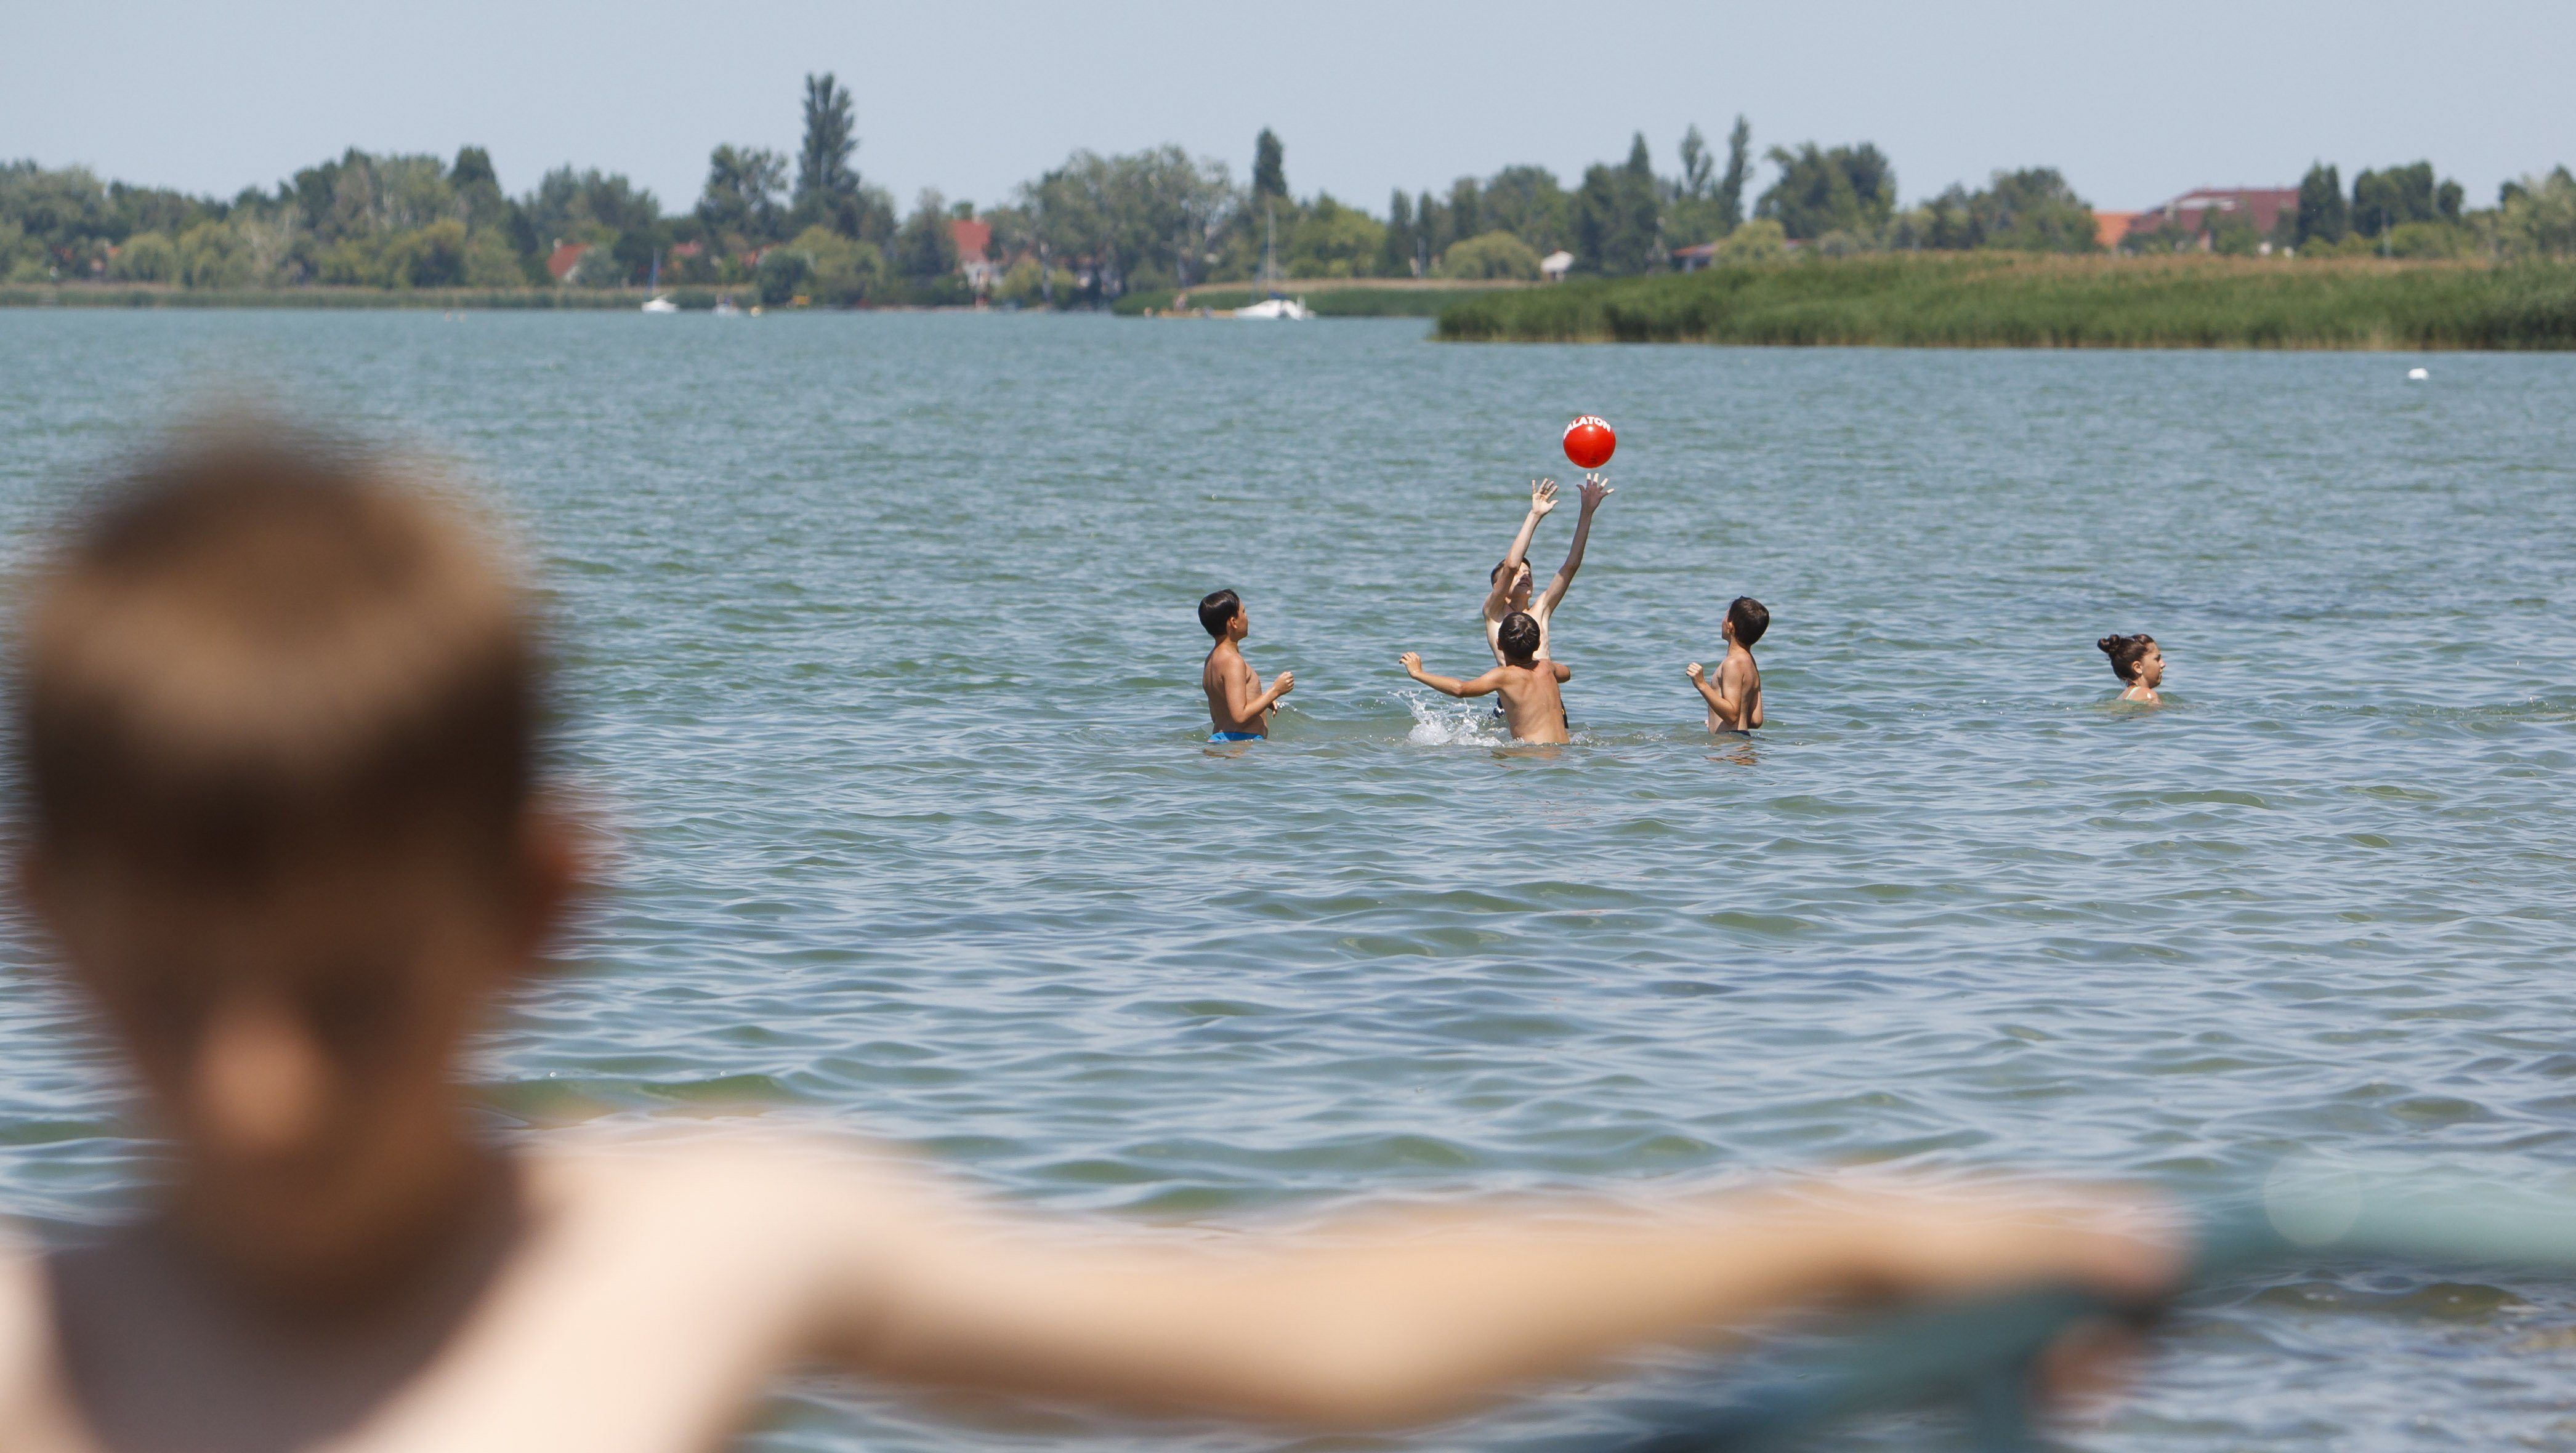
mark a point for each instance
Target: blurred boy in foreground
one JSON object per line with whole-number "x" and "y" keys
{"x": 277, "y": 749}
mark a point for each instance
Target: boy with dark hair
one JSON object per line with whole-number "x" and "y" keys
{"x": 1238, "y": 709}
{"x": 285, "y": 818}
{"x": 1735, "y": 698}
{"x": 1532, "y": 706}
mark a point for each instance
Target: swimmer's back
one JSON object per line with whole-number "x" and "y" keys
{"x": 1532, "y": 705}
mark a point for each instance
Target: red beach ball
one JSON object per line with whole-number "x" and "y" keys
{"x": 1588, "y": 442}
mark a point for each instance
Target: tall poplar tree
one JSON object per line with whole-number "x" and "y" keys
{"x": 1692, "y": 184}
{"x": 1269, "y": 167}
{"x": 827, "y": 187}
{"x": 2323, "y": 217}
{"x": 1739, "y": 170}
{"x": 1398, "y": 256}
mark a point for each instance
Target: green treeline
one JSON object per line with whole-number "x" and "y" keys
{"x": 807, "y": 226}
{"x": 2004, "y": 301}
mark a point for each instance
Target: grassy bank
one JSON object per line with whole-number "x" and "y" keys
{"x": 1329, "y": 299}
{"x": 2012, "y": 301}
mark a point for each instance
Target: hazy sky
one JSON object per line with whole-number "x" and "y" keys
{"x": 2134, "y": 102}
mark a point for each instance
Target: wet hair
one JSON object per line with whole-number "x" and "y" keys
{"x": 2125, "y": 653}
{"x": 1749, "y": 619}
{"x": 1217, "y": 611}
{"x": 262, "y": 650}
{"x": 1518, "y": 637}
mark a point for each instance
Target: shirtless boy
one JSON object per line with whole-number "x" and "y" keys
{"x": 285, "y": 819}
{"x": 1238, "y": 709}
{"x": 1531, "y": 705}
{"x": 1735, "y": 697}
{"x": 1510, "y": 582}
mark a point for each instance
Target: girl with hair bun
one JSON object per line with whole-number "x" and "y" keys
{"x": 2138, "y": 663}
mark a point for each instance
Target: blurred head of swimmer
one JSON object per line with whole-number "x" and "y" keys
{"x": 276, "y": 729}
{"x": 1518, "y": 594}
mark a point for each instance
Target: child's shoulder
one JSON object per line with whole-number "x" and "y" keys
{"x": 736, "y": 1180}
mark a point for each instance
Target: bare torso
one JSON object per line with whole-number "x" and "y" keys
{"x": 1532, "y": 706}
{"x": 1739, "y": 679}
{"x": 1226, "y": 664}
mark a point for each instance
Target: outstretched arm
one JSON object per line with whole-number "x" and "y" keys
{"x": 1542, "y": 500}
{"x": 1398, "y": 1318}
{"x": 1596, "y": 488}
{"x": 1486, "y": 684}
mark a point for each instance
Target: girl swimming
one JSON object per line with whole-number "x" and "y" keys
{"x": 2137, "y": 662}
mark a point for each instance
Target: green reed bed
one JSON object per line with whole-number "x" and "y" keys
{"x": 1995, "y": 301}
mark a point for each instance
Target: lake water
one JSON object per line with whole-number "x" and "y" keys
{"x": 882, "y": 641}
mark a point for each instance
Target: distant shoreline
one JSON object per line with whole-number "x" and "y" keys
{"x": 150, "y": 295}
{"x": 1433, "y": 293}
{"x": 1424, "y": 297}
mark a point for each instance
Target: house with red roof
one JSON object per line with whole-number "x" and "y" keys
{"x": 2195, "y": 213}
{"x": 565, "y": 257}
{"x": 973, "y": 238}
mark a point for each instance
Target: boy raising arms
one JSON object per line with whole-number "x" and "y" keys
{"x": 1238, "y": 709}
{"x": 1531, "y": 705}
{"x": 1735, "y": 697}
{"x": 284, "y": 816}
{"x": 1510, "y": 581}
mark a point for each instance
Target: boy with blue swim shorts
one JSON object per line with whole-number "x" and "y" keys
{"x": 1238, "y": 709}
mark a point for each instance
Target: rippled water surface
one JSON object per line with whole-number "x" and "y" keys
{"x": 882, "y": 642}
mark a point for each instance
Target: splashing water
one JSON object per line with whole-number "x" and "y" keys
{"x": 1463, "y": 725}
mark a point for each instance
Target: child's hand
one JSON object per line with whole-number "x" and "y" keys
{"x": 1692, "y": 670}
{"x": 1542, "y": 496}
{"x": 1284, "y": 683}
{"x": 1411, "y": 661}
{"x": 1596, "y": 488}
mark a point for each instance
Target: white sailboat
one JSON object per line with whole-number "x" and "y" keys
{"x": 1284, "y": 308}
{"x": 660, "y": 301}
{"x": 1274, "y": 306}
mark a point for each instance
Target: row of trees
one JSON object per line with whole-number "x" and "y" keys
{"x": 420, "y": 221}
{"x": 808, "y": 225}
{"x": 1628, "y": 218}
{"x": 2405, "y": 212}
{"x": 2400, "y": 211}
